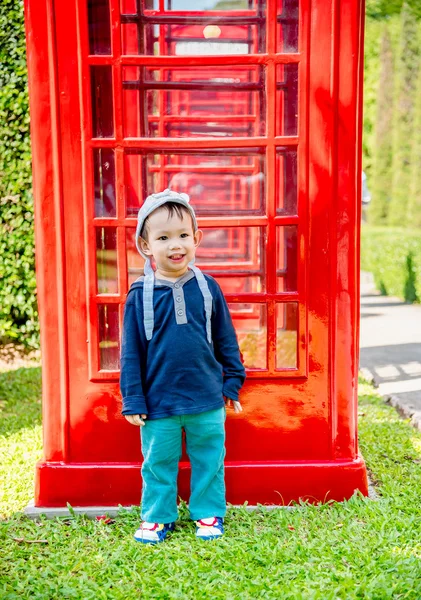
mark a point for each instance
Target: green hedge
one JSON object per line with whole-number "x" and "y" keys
{"x": 18, "y": 307}
{"x": 393, "y": 255}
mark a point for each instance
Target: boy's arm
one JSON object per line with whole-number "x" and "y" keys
{"x": 134, "y": 402}
{"x": 226, "y": 347}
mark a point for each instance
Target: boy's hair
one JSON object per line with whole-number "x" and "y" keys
{"x": 172, "y": 208}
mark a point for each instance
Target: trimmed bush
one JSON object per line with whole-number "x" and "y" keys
{"x": 393, "y": 255}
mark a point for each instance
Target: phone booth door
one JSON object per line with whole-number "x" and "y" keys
{"x": 239, "y": 105}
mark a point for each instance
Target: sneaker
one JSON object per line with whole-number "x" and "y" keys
{"x": 210, "y": 529}
{"x": 153, "y": 533}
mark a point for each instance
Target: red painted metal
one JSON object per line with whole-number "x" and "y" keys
{"x": 223, "y": 128}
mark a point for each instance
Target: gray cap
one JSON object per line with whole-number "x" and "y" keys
{"x": 151, "y": 203}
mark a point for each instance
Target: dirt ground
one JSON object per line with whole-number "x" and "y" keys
{"x": 14, "y": 356}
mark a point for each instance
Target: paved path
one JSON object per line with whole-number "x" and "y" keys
{"x": 390, "y": 343}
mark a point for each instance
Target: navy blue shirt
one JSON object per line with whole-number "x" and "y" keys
{"x": 178, "y": 371}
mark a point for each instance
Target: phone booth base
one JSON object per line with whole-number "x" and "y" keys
{"x": 254, "y": 110}
{"x": 271, "y": 484}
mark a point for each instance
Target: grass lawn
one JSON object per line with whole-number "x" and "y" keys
{"x": 358, "y": 549}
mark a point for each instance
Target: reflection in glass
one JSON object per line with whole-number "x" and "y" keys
{"x": 109, "y": 339}
{"x": 286, "y": 268}
{"x": 250, "y": 324}
{"x": 240, "y": 285}
{"x": 287, "y": 99}
{"x": 205, "y": 5}
{"x": 104, "y": 181}
{"x": 287, "y": 26}
{"x": 106, "y": 260}
{"x": 102, "y": 102}
{"x": 194, "y": 101}
{"x": 286, "y": 176}
{"x": 135, "y": 186}
{"x": 99, "y": 27}
{"x": 286, "y": 335}
{"x": 153, "y": 32}
{"x": 231, "y": 249}
{"x": 219, "y": 182}
{"x": 134, "y": 260}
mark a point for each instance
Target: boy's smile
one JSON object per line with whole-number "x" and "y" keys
{"x": 172, "y": 243}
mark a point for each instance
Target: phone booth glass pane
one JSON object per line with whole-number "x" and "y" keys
{"x": 99, "y": 27}
{"x": 286, "y": 335}
{"x": 286, "y": 177}
{"x": 236, "y": 27}
{"x": 102, "y": 102}
{"x": 104, "y": 181}
{"x": 194, "y": 102}
{"x": 220, "y": 182}
{"x": 109, "y": 337}
{"x": 255, "y": 263}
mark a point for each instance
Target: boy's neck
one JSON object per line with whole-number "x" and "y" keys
{"x": 170, "y": 276}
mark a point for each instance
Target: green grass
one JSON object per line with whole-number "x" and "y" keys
{"x": 357, "y": 549}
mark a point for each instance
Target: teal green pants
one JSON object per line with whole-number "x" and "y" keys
{"x": 161, "y": 449}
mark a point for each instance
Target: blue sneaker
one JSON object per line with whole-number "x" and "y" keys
{"x": 210, "y": 529}
{"x": 153, "y": 533}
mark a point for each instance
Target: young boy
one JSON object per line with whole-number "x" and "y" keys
{"x": 180, "y": 363}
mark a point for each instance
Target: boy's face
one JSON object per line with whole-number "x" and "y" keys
{"x": 171, "y": 241}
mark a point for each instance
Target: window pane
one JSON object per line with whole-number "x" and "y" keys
{"x": 286, "y": 177}
{"x": 135, "y": 183}
{"x": 231, "y": 250}
{"x": 287, "y": 258}
{"x": 109, "y": 339}
{"x": 194, "y": 32}
{"x": 135, "y": 262}
{"x": 102, "y": 102}
{"x": 99, "y": 27}
{"x": 218, "y": 182}
{"x": 287, "y": 99}
{"x": 104, "y": 181}
{"x": 287, "y": 26}
{"x": 286, "y": 335}
{"x": 194, "y": 102}
{"x": 106, "y": 260}
{"x": 205, "y": 5}
{"x": 250, "y": 324}
{"x": 245, "y": 281}
{"x": 240, "y": 285}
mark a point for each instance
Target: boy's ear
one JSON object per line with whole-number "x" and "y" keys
{"x": 198, "y": 236}
{"x": 145, "y": 247}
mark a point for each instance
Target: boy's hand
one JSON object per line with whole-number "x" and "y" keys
{"x": 136, "y": 419}
{"x": 236, "y": 405}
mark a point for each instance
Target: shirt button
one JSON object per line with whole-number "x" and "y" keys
{"x": 178, "y": 298}
{"x": 176, "y": 285}
{"x": 180, "y": 313}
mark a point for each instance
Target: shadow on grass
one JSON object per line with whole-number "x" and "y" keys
{"x": 20, "y": 399}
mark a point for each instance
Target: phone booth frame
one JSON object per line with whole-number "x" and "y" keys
{"x": 281, "y": 228}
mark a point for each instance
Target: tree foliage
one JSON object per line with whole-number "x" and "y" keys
{"x": 383, "y": 9}
{"x": 408, "y": 66}
{"x": 382, "y": 160}
{"x": 414, "y": 201}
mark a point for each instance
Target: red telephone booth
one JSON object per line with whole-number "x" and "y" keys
{"x": 253, "y": 108}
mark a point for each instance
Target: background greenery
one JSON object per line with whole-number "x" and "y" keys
{"x": 391, "y": 150}
{"x": 393, "y": 255}
{"x": 18, "y": 308}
